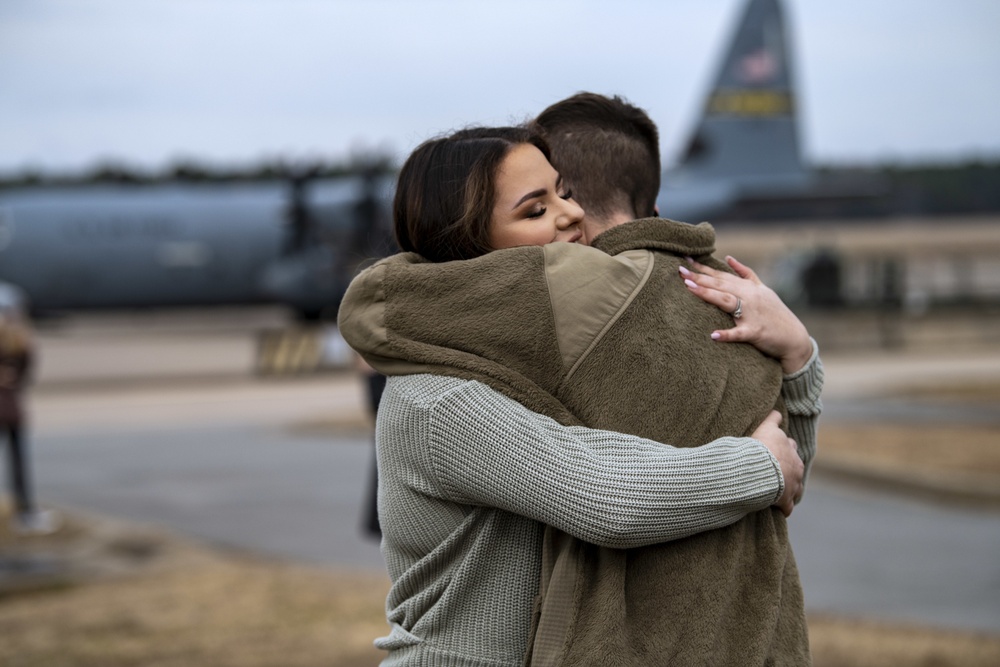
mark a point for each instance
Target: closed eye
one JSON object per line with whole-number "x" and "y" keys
{"x": 537, "y": 212}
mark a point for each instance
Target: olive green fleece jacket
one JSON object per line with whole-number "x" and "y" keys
{"x": 613, "y": 340}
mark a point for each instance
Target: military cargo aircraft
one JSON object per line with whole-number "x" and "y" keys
{"x": 185, "y": 244}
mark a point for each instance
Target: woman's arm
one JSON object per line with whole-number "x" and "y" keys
{"x": 603, "y": 487}
{"x": 801, "y": 391}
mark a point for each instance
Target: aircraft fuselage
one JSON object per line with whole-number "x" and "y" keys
{"x": 120, "y": 247}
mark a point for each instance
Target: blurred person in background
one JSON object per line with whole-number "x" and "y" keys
{"x": 16, "y": 357}
{"x": 374, "y": 386}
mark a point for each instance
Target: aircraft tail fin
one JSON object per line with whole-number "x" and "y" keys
{"x": 748, "y": 129}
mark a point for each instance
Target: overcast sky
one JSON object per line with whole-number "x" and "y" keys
{"x": 148, "y": 82}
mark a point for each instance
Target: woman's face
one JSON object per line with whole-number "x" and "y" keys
{"x": 533, "y": 206}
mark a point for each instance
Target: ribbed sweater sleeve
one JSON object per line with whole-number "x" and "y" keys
{"x": 801, "y": 391}
{"x": 602, "y": 487}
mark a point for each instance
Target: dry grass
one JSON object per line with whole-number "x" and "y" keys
{"x": 949, "y": 462}
{"x": 839, "y": 642}
{"x": 981, "y": 392}
{"x": 231, "y": 612}
{"x": 227, "y": 612}
{"x": 156, "y": 601}
{"x": 924, "y": 448}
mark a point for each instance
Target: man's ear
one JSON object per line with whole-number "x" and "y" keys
{"x": 656, "y": 210}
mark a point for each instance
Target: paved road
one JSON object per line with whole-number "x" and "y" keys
{"x": 861, "y": 552}
{"x": 239, "y": 463}
{"x": 262, "y": 489}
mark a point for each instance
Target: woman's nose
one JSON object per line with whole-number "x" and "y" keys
{"x": 572, "y": 214}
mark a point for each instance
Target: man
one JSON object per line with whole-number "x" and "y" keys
{"x": 608, "y": 153}
{"x": 645, "y": 365}
{"x": 607, "y": 150}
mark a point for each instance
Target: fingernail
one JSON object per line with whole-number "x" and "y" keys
{"x": 690, "y": 260}
{"x": 690, "y": 283}
{"x": 716, "y": 335}
{"x": 684, "y": 271}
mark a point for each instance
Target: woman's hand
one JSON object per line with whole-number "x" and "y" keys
{"x": 762, "y": 318}
{"x": 785, "y": 450}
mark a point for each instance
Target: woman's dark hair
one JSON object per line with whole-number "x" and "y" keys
{"x": 447, "y": 190}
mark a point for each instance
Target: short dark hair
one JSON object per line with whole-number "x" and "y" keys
{"x": 607, "y": 150}
{"x": 447, "y": 190}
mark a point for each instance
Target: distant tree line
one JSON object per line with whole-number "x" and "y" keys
{"x": 190, "y": 171}
{"x": 973, "y": 187}
{"x": 874, "y": 191}
{"x": 926, "y": 189}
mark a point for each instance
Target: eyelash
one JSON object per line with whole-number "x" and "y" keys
{"x": 533, "y": 215}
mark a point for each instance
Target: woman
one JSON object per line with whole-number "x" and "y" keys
{"x": 468, "y": 477}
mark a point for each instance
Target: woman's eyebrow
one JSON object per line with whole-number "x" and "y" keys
{"x": 531, "y": 195}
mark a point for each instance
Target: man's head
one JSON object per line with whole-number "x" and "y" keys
{"x": 608, "y": 152}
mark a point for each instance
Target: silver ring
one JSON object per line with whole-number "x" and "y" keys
{"x": 738, "y": 313}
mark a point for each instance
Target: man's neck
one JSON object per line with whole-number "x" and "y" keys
{"x": 592, "y": 226}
